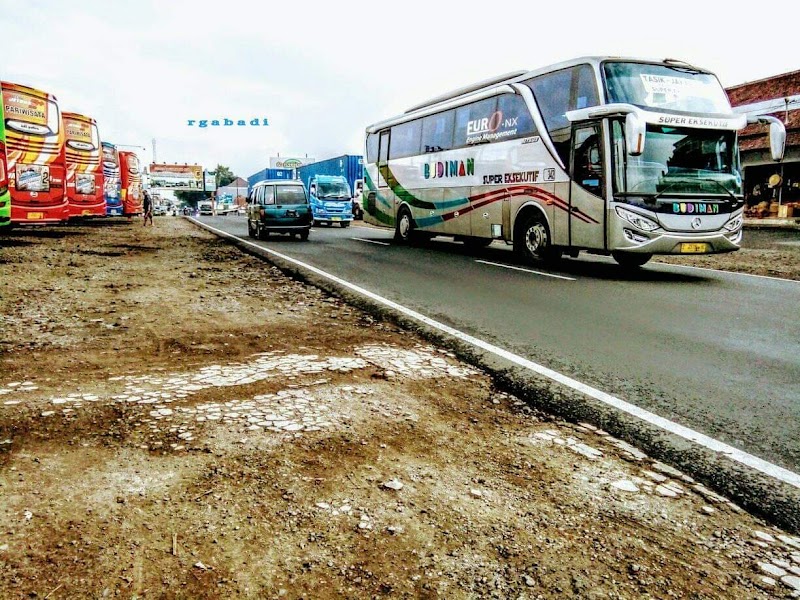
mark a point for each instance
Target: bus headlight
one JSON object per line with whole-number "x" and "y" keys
{"x": 734, "y": 224}
{"x": 636, "y": 219}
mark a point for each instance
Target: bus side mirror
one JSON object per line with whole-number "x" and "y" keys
{"x": 634, "y": 134}
{"x": 777, "y": 134}
{"x": 777, "y": 140}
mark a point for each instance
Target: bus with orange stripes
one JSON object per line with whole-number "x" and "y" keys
{"x": 130, "y": 183}
{"x": 84, "y": 166}
{"x": 35, "y": 155}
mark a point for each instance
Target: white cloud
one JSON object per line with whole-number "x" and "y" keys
{"x": 322, "y": 71}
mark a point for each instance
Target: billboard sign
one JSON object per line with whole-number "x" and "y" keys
{"x": 279, "y": 162}
{"x": 176, "y": 177}
{"x": 210, "y": 180}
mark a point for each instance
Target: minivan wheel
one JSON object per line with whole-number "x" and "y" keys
{"x": 304, "y": 235}
{"x": 251, "y": 232}
{"x": 345, "y": 224}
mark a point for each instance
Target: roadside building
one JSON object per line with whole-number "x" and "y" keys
{"x": 772, "y": 190}
{"x": 235, "y": 193}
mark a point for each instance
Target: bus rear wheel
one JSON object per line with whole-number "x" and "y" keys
{"x": 533, "y": 242}
{"x": 630, "y": 259}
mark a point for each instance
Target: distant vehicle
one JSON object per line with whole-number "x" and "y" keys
{"x": 130, "y": 184}
{"x": 278, "y": 206}
{"x": 111, "y": 180}
{"x": 35, "y": 160}
{"x": 331, "y": 200}
{"x": 351, "y": 169}
{"x": 205, "y": 207}
{"x": 159, "y": 210}
{"x": 84, "y": 159}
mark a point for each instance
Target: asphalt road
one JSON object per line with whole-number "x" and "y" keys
{"x": 717, "y": 352}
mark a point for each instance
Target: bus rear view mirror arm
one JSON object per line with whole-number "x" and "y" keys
{"x": 635, "y": 122}
{"x": 777, "y": 134}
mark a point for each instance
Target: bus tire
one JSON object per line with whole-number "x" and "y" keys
{"x": 404, "y": 228}
{"x": 345, "y": 224}
{"x": 630, "y": 260}
{"x": 533, "y": 242}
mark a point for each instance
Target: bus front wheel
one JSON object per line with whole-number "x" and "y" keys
{"x": 630, "y": 259}
{"x": 534, "y": 241}
{"x": 404, "y": 229}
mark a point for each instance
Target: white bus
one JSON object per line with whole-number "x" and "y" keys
{"x": 607, "y": 155}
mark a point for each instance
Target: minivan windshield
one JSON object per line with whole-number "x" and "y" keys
{"x": 290, "y": 194}
{"x": 335, "y": 189}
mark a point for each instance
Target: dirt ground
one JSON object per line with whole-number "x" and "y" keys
{"x": 181, "y": 420}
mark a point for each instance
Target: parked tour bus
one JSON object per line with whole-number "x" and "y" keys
{"x": 131, "y": 183}
{"x": 84, "y": 166}
{"x": 606, "y": 155}
{"x": 35, "y": 156}
{"x": 111, "y": 180}
{"x": 5, "y": 195}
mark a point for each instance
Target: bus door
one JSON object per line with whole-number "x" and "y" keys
{"x": 587, "y": 188}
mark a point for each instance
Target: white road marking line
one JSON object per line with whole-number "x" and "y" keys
{"x": 494, "y": 264}
{"x": 740, "y": 456}
{"x": 728, "y": 272}
{"x": 371, "y": 241}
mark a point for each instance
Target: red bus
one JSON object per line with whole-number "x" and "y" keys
{"x": 84, "y": 166}
{"x": 131, "y": 183}
{"x": 35, "y": 155}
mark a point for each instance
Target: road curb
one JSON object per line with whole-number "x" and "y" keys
{"x": 764, "y": 496}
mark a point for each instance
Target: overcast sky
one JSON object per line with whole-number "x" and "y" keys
{"x": 320, "y": 71}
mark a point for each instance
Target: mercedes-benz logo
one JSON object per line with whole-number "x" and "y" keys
{"x": 696, "y": 222}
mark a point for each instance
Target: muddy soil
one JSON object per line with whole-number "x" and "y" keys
{"x": 181, "y": 420}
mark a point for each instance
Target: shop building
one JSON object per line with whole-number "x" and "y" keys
{"x": 772, "y": 190}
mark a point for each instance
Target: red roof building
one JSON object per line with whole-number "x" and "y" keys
{"x": 778, "y": 96}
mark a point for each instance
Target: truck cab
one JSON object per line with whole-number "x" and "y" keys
{"x": 331, "y": 200}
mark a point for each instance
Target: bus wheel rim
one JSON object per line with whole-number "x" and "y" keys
{"x": 405, "y": 225}
{"x": 535, "y": 238}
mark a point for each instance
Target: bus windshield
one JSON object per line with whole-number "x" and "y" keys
{"x": 665, "y": 87}
{"x": 678, "y": 161}
{"x": 336, "y": 189}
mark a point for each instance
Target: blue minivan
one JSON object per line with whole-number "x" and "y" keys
{"x": 278, "y": 206}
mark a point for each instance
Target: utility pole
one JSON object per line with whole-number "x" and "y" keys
{"x": 155, "y": 160}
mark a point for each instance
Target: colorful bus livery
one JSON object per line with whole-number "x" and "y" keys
{"x": 35, "y": 155}
{"x": 84, "y": 166}
{"x": 604, "y": 155}
{"x": 130, "y": 184}
{"x": 111, "y": 180}
{"x": 5, "y": 195}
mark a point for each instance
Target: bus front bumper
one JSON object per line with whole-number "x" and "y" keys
{"x": 631, "y": 240}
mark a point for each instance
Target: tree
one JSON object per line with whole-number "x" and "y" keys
{"x": 224, "y": 176}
